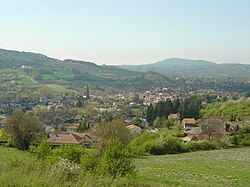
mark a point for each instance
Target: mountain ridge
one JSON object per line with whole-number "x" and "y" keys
{"x": 193, "y": 68}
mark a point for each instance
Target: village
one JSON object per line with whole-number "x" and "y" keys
{"x": 72, "y": 120}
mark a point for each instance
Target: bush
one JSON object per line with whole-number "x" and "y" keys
{"x": 43, "y": 150}
{"x": 245, "y": 143}
{"x": 90, "y": 160}
{"x": 241, "y": 137}
{"x": 156, "y": 144}
{"x": 200, "y": 146}
{"x": 24, "y": 169}
{"x": 142, "y": 144}
{"x": 65, "y": 171}
{"x": 154, "y": 147}
{"x": 71, "y": 152}
{"x": 172, "y": 145}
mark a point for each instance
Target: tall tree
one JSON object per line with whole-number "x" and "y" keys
{"x": 150, "y": 114}
{"x": 23, "y": 129}
{"x": 190, "y": 107}
{"x": 87, "y": 92}
{"x": 168, "y": 107}
{"x": 176, "y": 105}
{"x": 115, "y": 129}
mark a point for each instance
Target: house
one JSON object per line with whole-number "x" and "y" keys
{"x": 173, "y": 116}
{"x": 88, "y": 139}
{"x": 194, "y": 131}
{"x": 134, "y": 129}
{"x": 188, "y": 123}
{"x": 189, "y": 138}
{"x": 70, "y": 139}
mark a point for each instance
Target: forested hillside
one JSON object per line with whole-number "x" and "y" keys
{"x": 40, "y": 69}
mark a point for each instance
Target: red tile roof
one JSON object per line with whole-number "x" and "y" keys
{"x": 189, "y": 121}
{"x": 133, "y": 126}
{"x": 66, "y": 138}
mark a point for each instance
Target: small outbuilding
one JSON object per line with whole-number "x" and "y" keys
{"x": 188, "y": 123}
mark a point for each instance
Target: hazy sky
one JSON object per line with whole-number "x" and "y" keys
{"x": 128, "y": 31}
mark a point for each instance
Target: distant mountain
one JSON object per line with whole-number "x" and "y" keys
{"x": 193, "y": 68}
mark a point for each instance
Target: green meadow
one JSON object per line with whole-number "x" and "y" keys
{"x": 228, "y": 167}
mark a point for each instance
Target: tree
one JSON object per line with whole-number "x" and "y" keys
{"x": 136, "y": 121}
{"x": 149, "y": 114}
{"x": 169, "y": 108}
{"x": 176, "y": 105}
{"x": 23, "y": 129}
{"x": 157, "y": 122}
{"x": 87, "y": 92}
{"x": 116, "y": 160}
{"x": 82, "y": 126}
{"x": 190, "y": 107}
{"x": 212, "y": 125}
{"x": 115, "y": 129}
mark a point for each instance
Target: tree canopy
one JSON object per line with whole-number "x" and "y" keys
{"x": 115, "y": 129}
{"x": 23, "y": 129}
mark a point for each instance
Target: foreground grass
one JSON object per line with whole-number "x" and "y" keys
{"x": 23, "y": 169}
{"x": 229, "y": 167}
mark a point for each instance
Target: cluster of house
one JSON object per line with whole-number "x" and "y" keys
{"x": 195, "y": 132}
{"x": 85, "y": 139}
{"x": 189, "y": 125}
{"x": 114, "y": 104}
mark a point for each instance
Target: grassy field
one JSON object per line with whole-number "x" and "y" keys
{"x": 65, "y": 75}
{"x": 229, "y": 167}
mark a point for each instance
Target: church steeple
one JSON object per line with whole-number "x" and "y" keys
{"x": 87, "y": 92}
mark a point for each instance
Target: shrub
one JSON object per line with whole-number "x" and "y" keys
{"x": 90, "y": 160}
{"x": 172, "y": 145}
{"x": 241, "y": 137}
{"x": 154, "y": 147}
{"x": 142, "y": 144}
{"x": 65, "y": 170}
{"x": 43, "y": 150}
{"x": 200, "y": 146}
{"x": 156, "y": 144}
{"x": 245, "y": 143}
{"x": 71, "y": 152}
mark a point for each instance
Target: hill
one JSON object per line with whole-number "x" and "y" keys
{"x": 193, "y": 68}
{"x": 46, "y": 70}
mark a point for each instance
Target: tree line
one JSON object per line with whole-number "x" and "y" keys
{"x": 187, "y": 108}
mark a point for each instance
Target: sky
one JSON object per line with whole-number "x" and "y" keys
{"x": 128, "y": 31}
